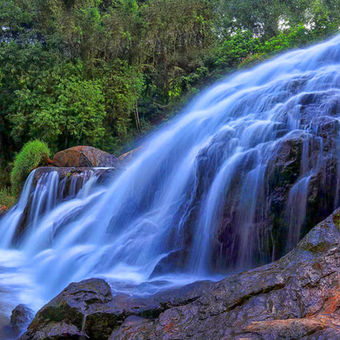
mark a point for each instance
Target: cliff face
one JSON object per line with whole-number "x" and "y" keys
{"x": 275, "y": 195}
{"x": 296, "y": 297}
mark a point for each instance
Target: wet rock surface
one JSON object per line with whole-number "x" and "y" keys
{"x": 294, "y": 158}
{"x": 21, "y": 317}
{"x": 296, "y": 297}
{"x": 279, "y": 186}
{"x": 84, "y": 156}
{"x": 75, "y": 174}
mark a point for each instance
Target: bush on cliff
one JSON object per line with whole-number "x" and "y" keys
{"x": 32, "y": 155}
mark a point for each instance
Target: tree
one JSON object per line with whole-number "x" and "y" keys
{"x": 101, "y": 72}
{"x": 176, "y": 34}
{"x": 61, "y": 109}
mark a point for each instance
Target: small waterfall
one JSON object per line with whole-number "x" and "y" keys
{"x": 43, "y": 190}
{"x": 11, "y": 220}
{"x": 231, "y": 183}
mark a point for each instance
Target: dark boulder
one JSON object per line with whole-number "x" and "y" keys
{"x": 297, "y": 297}
{"x": 21, "y": 317}
{"x": 66, "y": 316}
{"x": 84, "y": 156}
{"x": 89, "y": 309}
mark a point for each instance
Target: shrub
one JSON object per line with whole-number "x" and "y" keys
{"x": 32, "y": 155}
{"x": 7, "y": 199}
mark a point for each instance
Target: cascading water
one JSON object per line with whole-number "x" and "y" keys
{"x": 231, "y": 183}
{"x": 43, "y": 191}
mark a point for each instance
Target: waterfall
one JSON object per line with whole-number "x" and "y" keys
{"x": 233, "y": 182}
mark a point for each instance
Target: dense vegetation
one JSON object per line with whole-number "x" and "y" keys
{"x": 32, "y": 155}
{"x": 101, "y": 72}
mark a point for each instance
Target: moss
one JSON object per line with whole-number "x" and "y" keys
{"x": 61, "y": 313}
{"x": 32, "y": 155}
{"x": 99, "y": 326}
{"x": 336, "y": 219}
{"x": 317, "y": 248}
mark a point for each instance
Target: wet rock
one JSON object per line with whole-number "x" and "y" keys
{"x": 21, "y": 317}
{"x": 291, "y": 156}
{"x": 77, "y": 175}
{"x": 84, "y": 156}
{"x": 297, "y": 297}
{"x": 65, "y": 316}
{"x": 262, "y": 212}
{"x": 89, "y": 309}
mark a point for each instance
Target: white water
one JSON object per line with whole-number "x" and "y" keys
{"x": 37, "y": 201}
{"x": 171, "y": 200}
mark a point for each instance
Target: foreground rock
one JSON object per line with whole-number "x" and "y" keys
{"x": 84, "y": 156}
{"x": 297, "y": 297}
{"x": 74, "y": 176}
{"x": 21, "y": 317}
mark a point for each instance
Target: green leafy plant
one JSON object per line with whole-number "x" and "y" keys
{"x": 32, "y": 155}
{"x": 100, "y": 72}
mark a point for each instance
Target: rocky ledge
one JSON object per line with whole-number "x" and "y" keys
{"x": 84, "y": 156}
{"x": 296, "y": 297}
{"x": 69, "y": 173}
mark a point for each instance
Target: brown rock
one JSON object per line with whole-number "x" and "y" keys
{"x": 84, "y": 156}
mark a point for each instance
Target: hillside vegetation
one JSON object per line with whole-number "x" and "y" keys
{"x": 103, "y": 72}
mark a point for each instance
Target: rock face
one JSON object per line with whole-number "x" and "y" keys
{"x": 299, "y": 188}
{"x": 21, "y": 317}
{"x": 297, "y": 297}
{"x": 72, "y": 179}
{"x": 84, "y": 156}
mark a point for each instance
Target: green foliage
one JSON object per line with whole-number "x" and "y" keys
{"x": 102, "y": 72}
{"x": 122, "y": 86}
{"x": 61, "y": 110}
{"x": 32, "y": 155}
{"x": 7, "y": 199}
